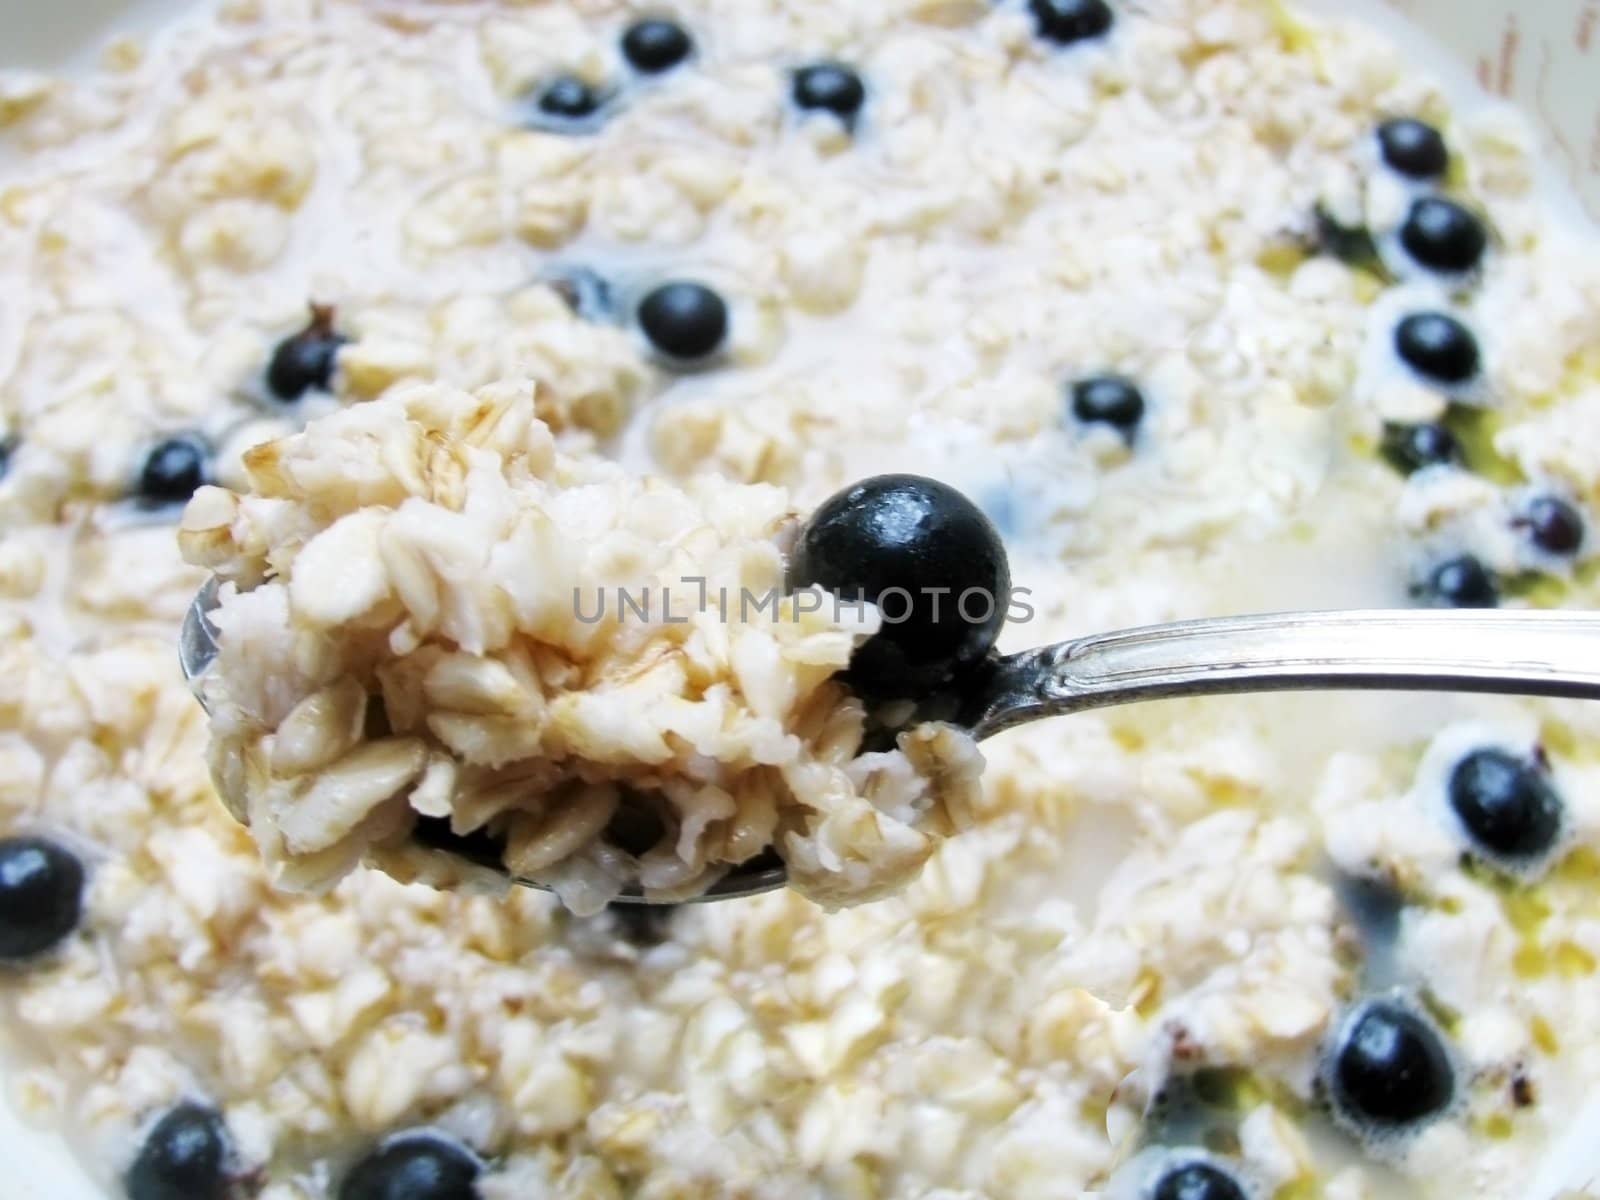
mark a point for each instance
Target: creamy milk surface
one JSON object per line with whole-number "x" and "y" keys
{"x": 1153, "y": 950}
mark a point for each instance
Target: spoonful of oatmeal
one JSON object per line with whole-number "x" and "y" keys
{"x": 436, "y": 644}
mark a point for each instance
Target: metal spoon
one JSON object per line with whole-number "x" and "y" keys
{"x": 1528, "y": 653}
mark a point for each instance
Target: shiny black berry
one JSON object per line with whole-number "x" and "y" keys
{"x": 1412, "y": 447}
{"x": 655, "y": 45}
{"x": 1462, "y": 583}
{"x": 930, "y": 560}
{"x": 1553, "y": 525}
{"x": 1439, "y": 233}
{"x": 1413, "y": 148}
{"x": 184, "y": 1157}
{"x": 684, "y": 320}
{"x": 831, "y": 87}
{"x": 414, "y": 1166}
{"x": 1065, "y": 21}
{"x": 8, "y": 447}
{"x": 1437, "y": 346}
{"x": 569, "y": 98}
{"x": 173, "y": 470}
{"x": 1109, "y": 400}
{"x": 305, "y": 361}
{"x": 41, "y": 896}
{"x": 1197, "y": 1180}
{"x": 1506, "y": 805}
{"x": 1389, "y": 1069}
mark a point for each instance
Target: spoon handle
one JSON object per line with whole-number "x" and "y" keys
{"x": 1531, "y": 653}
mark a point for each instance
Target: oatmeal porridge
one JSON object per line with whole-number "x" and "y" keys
{"x": 426, "y": 632}
{"x": 1209, "y": 305}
